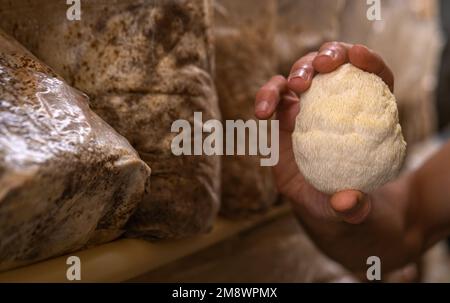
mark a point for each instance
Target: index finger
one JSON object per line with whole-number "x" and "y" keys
{"x": 369, "y": 61}
{"x": 331, "y": 55}
{"x": 268, "y": 97}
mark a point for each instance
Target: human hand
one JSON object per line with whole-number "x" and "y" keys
{"x": 383, "y": 218}
{"x": 280, "y": 96}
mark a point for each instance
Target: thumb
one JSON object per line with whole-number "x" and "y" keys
{"x": 351, "y": 205}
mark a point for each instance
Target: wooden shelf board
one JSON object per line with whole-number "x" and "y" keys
{"x": 125, "y": 259}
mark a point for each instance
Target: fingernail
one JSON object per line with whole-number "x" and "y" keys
{"x": 262, "y": 106}
{"x": 301, "y": 73}
{"x": 328, "y": 52}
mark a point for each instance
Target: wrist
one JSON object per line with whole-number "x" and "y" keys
{"x": 398, "y": 217}
{"x": 431, "y": 218}
{"x": 420, "y": 227}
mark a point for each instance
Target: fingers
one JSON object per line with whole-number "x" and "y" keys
{"x": 302, "y": 73}
{"x": 287, "y": 111}
{"x": 274, "y": 96}
{"x": 350, "y": 205}
{"x": 331, "y": 55}
{"x": 366, "y": 59}
{"x": 268, "y": 97}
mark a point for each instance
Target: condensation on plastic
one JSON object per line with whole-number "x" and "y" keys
{"x": 67, "y": 179}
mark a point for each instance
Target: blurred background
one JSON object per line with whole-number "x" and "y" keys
{"x": 264, "y": 39}
{"x": 213, "y": 56}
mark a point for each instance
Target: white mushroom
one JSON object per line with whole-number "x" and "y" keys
{"x": 347, "y": 134}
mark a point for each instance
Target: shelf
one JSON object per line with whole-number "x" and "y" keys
{"x": 125, "y": 259}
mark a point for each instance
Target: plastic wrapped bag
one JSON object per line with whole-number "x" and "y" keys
{"x": 67, "y": 179}
{"x": 144, "y": 64}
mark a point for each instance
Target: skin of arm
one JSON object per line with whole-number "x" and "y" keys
{"x": 398, "y": 221}
{"x": 431, "y": 188}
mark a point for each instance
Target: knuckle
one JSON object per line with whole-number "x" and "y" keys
{"x": 310, "y": 54}
{"x": 271, "y": 90}
{"x": 268, "y": 91}
{"x": 277, "y": 78}
{"x": 331, "y": 45}
{"x": 335, "y": 44}
{"x": 303, "y": 64}
{"x": 260, "y": 93}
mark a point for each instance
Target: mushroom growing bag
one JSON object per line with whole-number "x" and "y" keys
{"x": 245, "y": 60}
{"x": 144, "y": 65}
{"x": 67, "y": 179}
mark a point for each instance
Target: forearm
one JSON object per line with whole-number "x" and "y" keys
{"x": 408, "y": 215}
{"x": 390, "y": 231}
{"x": 412, "y": 213}
{"x": 431, "y": 187}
